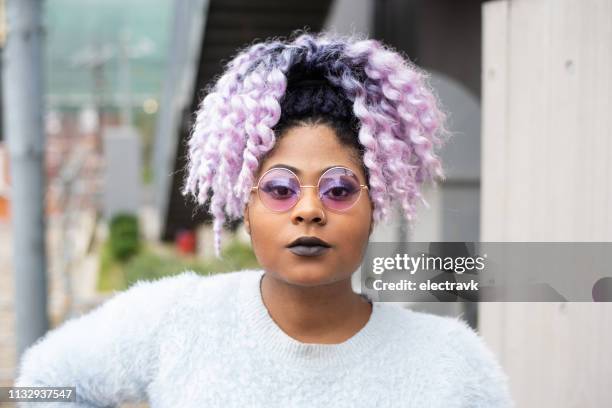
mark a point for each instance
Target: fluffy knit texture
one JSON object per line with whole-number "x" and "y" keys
{"x": 400, "y": 122}
{"x": 194, "y": 341}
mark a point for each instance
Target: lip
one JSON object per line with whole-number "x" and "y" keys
{"x": 309, "y": 242}
{"x": 310, "y": 250}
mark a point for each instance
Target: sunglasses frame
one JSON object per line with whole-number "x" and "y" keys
{"x": 362, "y": 186}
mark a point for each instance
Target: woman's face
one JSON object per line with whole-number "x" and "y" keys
{"x": 308, "y": 151}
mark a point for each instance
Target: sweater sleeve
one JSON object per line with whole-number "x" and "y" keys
{"x": 485, "y": 383}
{"x": 109, "y": 354}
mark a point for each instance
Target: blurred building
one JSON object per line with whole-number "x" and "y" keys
{"x": 102, "y": 64}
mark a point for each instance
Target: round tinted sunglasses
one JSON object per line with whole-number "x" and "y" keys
{"x": 279, "y": 189}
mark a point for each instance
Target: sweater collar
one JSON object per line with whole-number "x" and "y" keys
{"x": 266, "y": 336}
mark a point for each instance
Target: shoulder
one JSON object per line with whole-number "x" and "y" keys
{"x": 446, "y": 335}
{"x": 449, "y": 347}
{"x": 430, "y": 325}
{"x": 190, "y": 284}
{"x": 149, "y": 298}
{"x": 425, "y": 324}
{"x": 191, "y": 293}
{"x": 186, "y": 283}
{"x": 459, "y": 341}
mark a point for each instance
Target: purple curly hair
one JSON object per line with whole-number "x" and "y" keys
{"x": 399, "y": 121}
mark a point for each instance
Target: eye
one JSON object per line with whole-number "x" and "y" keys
{"x": 281, "y": 192}
{"x": 340, "y": 192}
{"x": 278, "y": 191}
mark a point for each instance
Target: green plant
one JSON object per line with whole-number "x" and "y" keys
{"x": 235, "y": 256}
{"x": 150, "y": 266}
{"x": 151, "y": 263}
{"x": 111, "y": 275}
{"x": 124, "y": 236}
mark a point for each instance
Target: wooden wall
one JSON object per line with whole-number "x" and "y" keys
{"x": 547, "y": 176}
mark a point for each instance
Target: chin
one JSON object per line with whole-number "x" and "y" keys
{"x": 308, "y": 274}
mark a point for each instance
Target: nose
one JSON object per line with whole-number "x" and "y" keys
{"x": 309, "y": 208}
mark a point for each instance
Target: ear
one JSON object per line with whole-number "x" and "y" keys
{"x": 247, "y": 221}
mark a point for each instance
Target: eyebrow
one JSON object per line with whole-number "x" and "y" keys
{"x": 297, "y": 171}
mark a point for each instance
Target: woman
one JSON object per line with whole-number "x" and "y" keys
{"x": 311, "y": 141}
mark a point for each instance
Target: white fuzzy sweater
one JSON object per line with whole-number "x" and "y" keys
{"x": 194, "y": 341}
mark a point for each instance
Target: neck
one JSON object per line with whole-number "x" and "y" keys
{"x": 325, "y": 314}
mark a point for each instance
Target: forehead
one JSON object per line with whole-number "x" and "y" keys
{"x": 310, "y": 150}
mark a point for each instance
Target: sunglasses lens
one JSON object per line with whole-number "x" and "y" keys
{"x": 339, "y": 189}
{"x": 279, "y": 190}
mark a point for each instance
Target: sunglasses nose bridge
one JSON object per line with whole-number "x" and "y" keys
{"x": 303, "y": 194}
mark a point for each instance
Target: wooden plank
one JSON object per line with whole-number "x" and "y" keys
{"x": 494, "y": 119}
{"x": 493, "y": 157}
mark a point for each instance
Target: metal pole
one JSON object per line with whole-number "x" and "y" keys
{"x": 23, "y": 114}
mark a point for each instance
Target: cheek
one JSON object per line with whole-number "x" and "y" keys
{"x": 355, "y": 225}
{"x": 265, "y": 229}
